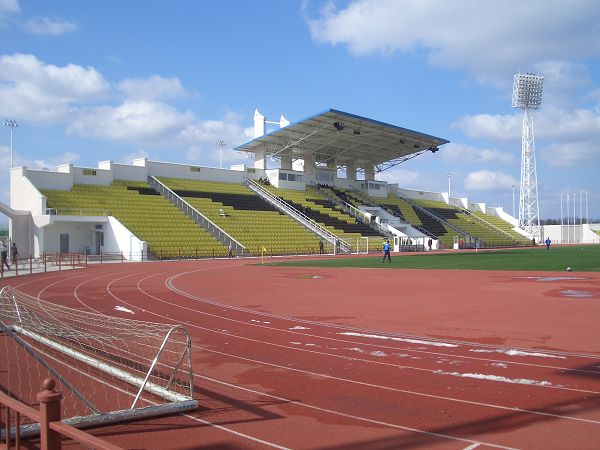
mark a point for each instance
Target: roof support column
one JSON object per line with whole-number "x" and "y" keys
{"x": 309, "y": 165}
{"x": 351, "y": 170}
{"x": 260, "y": 161}
{"x": 369, "y": 172}
{"x": 286, "y": 162}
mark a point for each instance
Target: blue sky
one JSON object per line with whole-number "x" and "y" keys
{"x": 92, "y": 81}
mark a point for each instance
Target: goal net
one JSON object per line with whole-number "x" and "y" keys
{"x": 109, "y": 369}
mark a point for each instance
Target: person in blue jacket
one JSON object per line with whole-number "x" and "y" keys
{"x": 548, "y": 242}
{"x": 386, "y": 251}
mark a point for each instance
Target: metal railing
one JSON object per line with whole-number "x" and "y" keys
{"x": 484, "y": 222}
{"x": 220, "y": 234}
{"x": 352, "y": 210}
{"x": 76, "y": 212}
{"x": 392, "y": 212}
{"x": 338, "y": 243}
{"x": 52, "y": 429}
{"x": 444, "y": 221}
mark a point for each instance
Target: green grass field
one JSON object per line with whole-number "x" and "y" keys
{"x": 584, "y": 258}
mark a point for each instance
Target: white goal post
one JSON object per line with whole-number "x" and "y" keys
{"x": 362, "y": 244}
{"x": 109, "y": 369}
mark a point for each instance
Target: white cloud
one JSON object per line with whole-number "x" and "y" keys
{"x": 497, "y": 127}
{"x": 141, "y": 153}
{"x": 49, "y": 27}
{"x": 7, "y": 9}
{"x": 488, "y": 181}
{"x": 133, "y": 121}
{"x": 460, "y": 154}
{"x": 39, "y": 92}
{"x": 484, "y": 37}
{"x": 156, "y": 124}
{"x": 153, "y": 88}
{"x": 572, "y": 154}
{"x": 50, "y": 163}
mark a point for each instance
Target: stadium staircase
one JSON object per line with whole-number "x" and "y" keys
{"x": 318, "y": 209}
{"x": 245, "y": 216}
{"x": 203, "y": 221}
{"x": 338, "y": 243}
{"x": 495, "y": 224}
{"x": 168, "y": 232}
{"x": 358, "y": 197}
{"x": 343, "y": 201}
{"x": 471, "y": 227}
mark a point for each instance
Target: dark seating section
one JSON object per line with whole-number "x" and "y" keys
{"x": 328, "y": 220}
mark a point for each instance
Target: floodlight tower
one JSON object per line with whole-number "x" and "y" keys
{"x": 527, "y": 95}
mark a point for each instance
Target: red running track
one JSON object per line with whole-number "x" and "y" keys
{"x": 314, "y": 358}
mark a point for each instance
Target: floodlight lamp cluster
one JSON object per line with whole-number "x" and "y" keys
{"x": 527, "y": 91}
{"x": 338, "y": 125}
{"x": 10, "y": 123}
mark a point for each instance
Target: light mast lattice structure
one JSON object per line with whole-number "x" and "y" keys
{"x": 527, "y": 95}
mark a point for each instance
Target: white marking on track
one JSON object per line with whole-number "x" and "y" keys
{"x": 473, "y": 446}
{"x": 123, "y": 309}
{"x": 513, "y": 352}
{"x": 481, "y": 376}
{"x": 391, "y": 338}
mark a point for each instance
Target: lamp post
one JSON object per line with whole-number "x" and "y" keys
{"x": 449, "y": 185}
{"x": 12, "y": 124}
{"x": 220, "y": 143}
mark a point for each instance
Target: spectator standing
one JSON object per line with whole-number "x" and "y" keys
{"x": 548, "y": 242}
{"x": 14, "y": 253}
{"x": 3, "y": 256}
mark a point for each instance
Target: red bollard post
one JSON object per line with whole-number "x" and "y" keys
{"x": 49, "y": 412}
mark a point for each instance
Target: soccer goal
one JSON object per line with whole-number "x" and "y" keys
{"x": 362, "y": 244}
{"x": 109, "y": 369}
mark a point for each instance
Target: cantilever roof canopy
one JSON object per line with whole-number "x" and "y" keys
{"x": 337, "y": 137}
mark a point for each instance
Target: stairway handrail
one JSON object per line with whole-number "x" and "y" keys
{"x": 299, "y": 216}
{"x": 482, "y": 220}
{"x": 442, "y": 220}
{"x": 352, "y": 210}
{"x": 389, "y": 211}
{"x": 214, "y": 229}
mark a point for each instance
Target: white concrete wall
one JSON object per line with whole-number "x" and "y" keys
{"x": 423, "y": 195}
{"x": 87, "y": 175}
{"x": 125, "y": 171}
{"x": 570, "y": 234}
{"x": 81, "y": 236}
{"x": 118, "y": 238}
{"x": 42, "y": 179}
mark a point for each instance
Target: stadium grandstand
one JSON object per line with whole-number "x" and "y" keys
{"x": 322, "y": 190}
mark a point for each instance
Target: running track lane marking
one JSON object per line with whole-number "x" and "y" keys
{"x": 422, "y": 394}
{"x": 252, "y": 438}
{"x": 351, "y": 381}
{"x": 169, "y": 284}
{"x": 197, "y": 419}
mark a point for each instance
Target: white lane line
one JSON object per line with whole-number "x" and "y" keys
{"x": 169, "y": 285}
{"x": 360, "y": 383}
{"x": 353, "y": 417}
{"x": 472, "y": 446}
{"x": 197, "y": 419}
